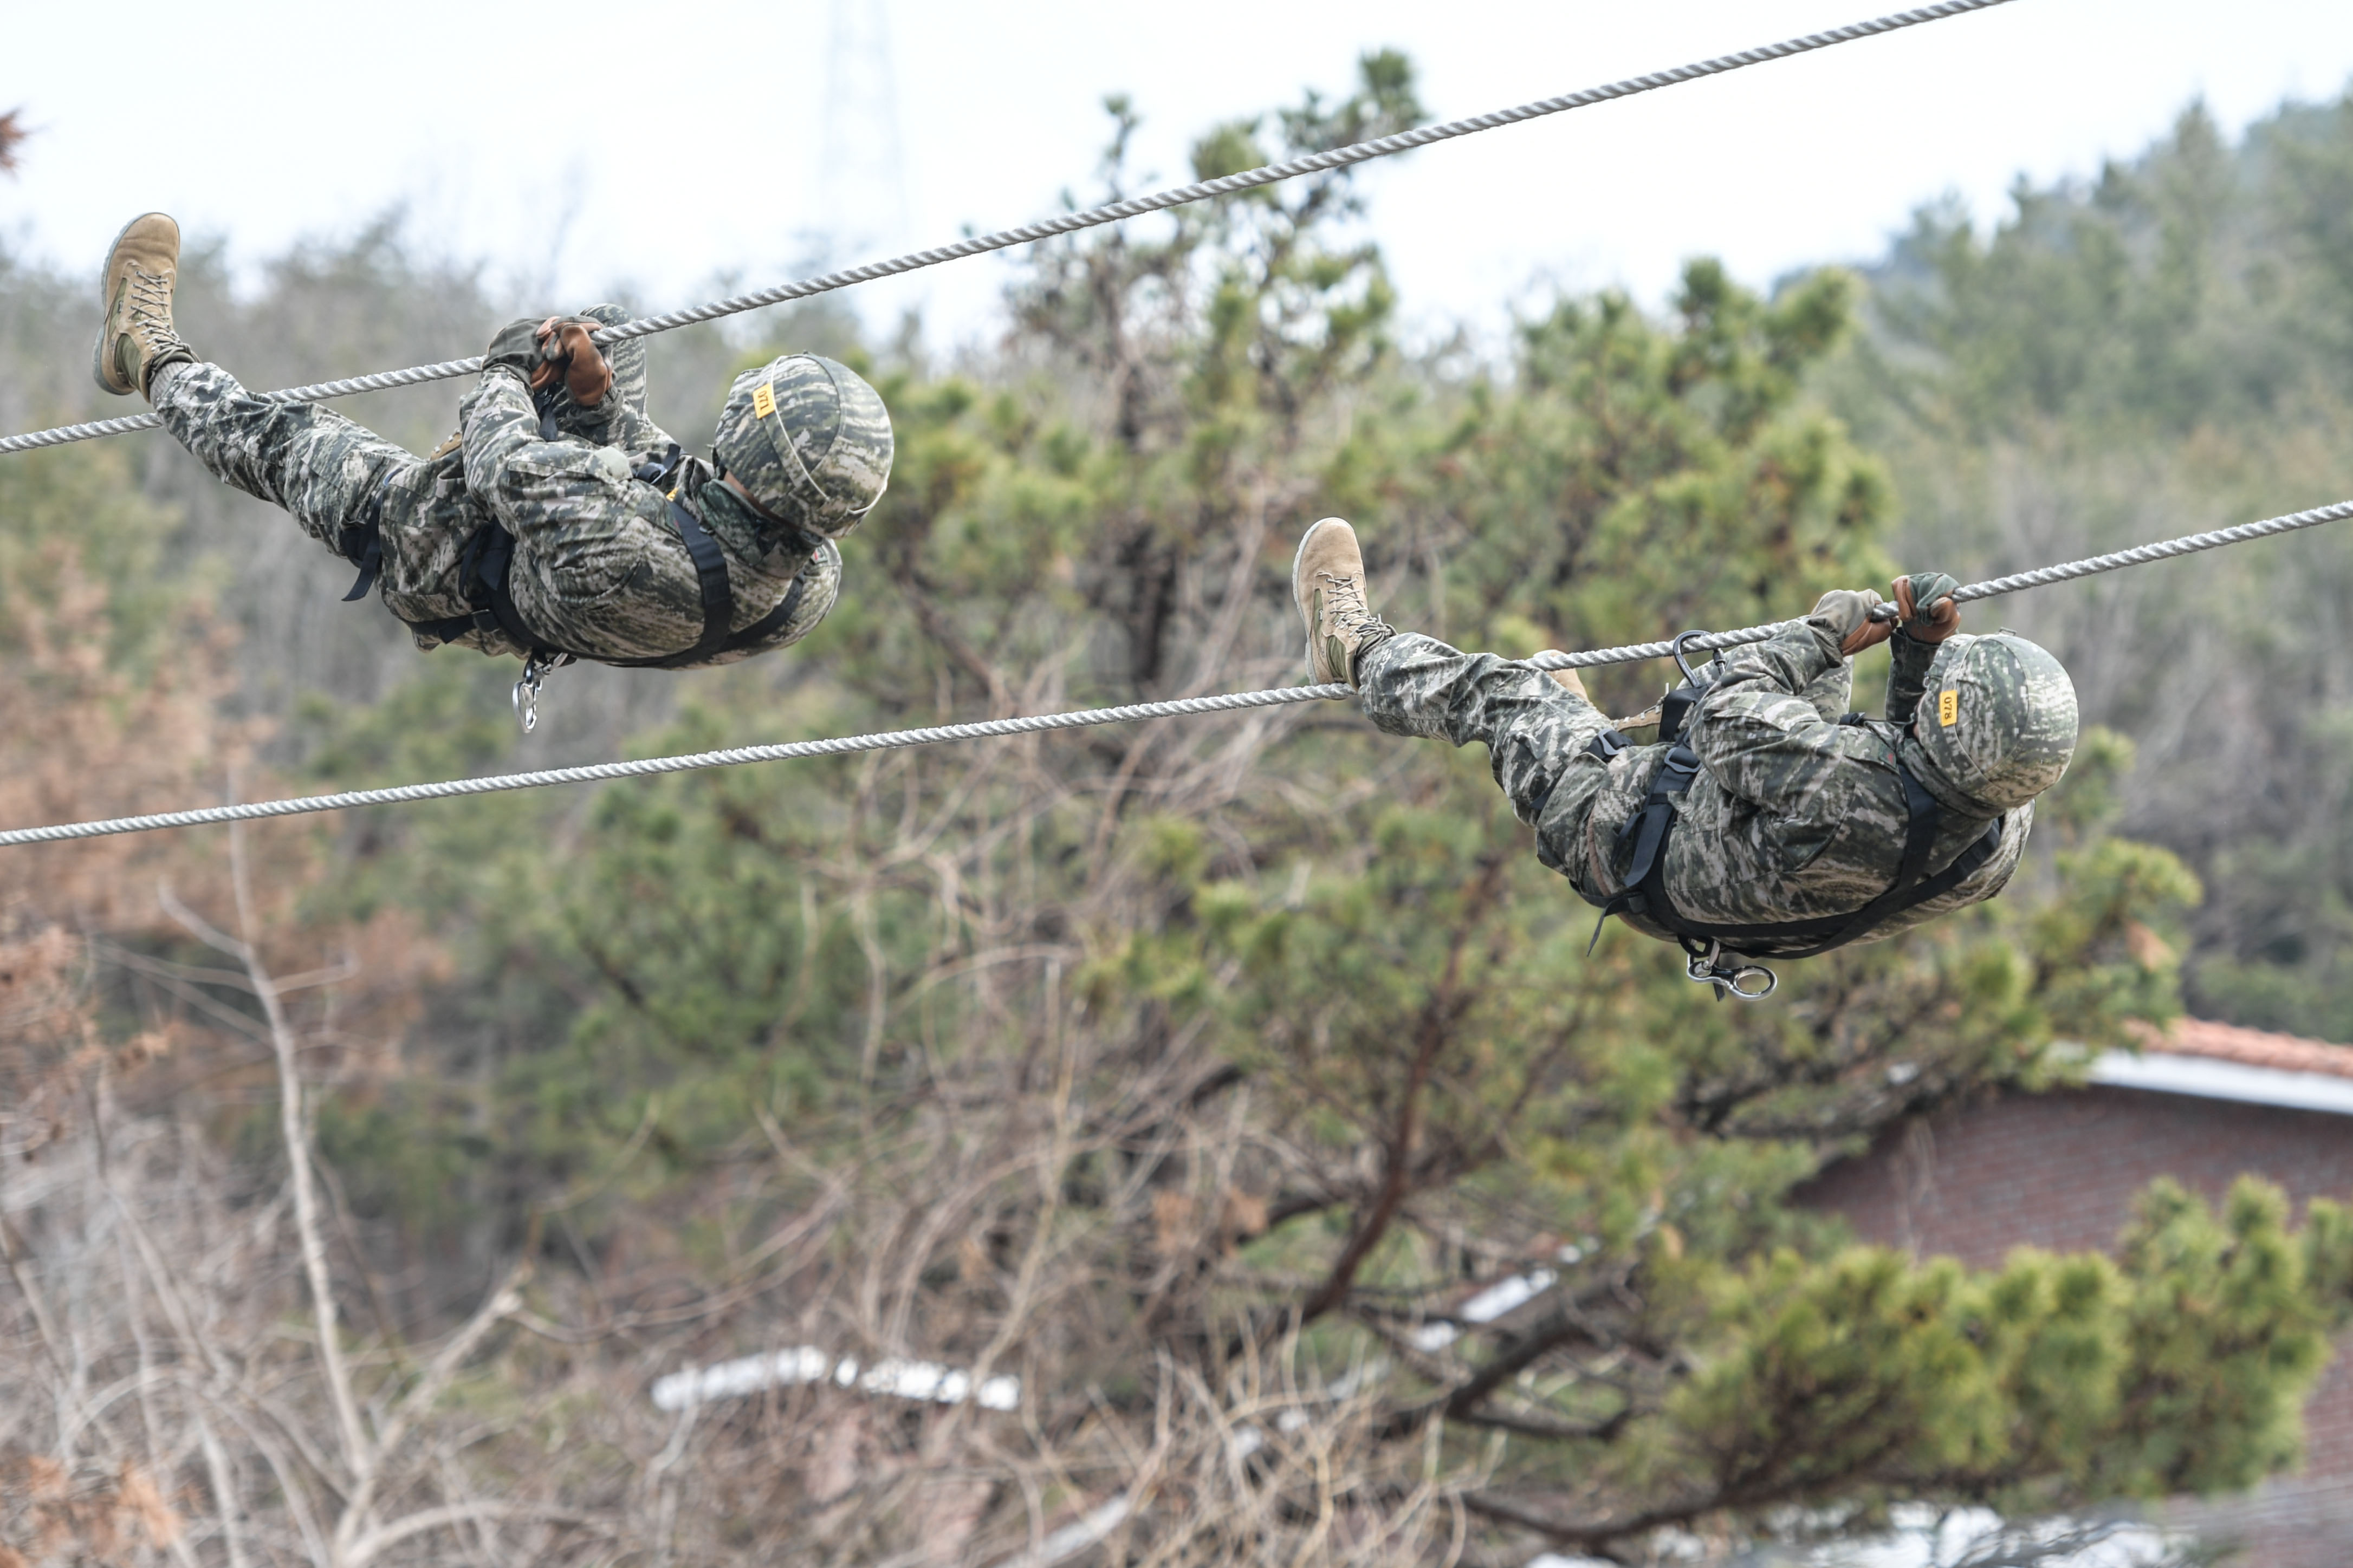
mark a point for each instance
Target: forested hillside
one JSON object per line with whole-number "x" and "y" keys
{"x": 2157, "y": 351}
{"x": 1199, "y": 1075}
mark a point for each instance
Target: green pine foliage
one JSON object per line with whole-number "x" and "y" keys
{"x": 2159, "y": 351}
{"x": 1187, "y": 1052}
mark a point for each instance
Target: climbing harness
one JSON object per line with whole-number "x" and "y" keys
{"x": 486, "y": 561}
{"x": 1092, "y": 217}
{"x": 1723, "y": 955}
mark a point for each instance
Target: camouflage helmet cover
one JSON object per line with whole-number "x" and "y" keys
{"x": 1998, "y": 718}
{"x": 809, "y": 439}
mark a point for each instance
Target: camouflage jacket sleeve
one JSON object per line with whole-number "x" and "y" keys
{"x": 618, "y": 418}
{"x": 1832, "y": 692}
{"x": 1759, "y": 731}
{"x": 597, "y": 571}
{"x": 523, "y": 479}
{"x": 1907, "y": 678}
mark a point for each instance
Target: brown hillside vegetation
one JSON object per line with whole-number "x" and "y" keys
{"x": 1188, "y": 1144}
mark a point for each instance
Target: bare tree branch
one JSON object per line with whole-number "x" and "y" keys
{"x": 1435, "y": 1029}
{"x": 367, "y": 1547}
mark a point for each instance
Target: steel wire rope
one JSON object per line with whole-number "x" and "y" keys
{"x": 1035, "y": 723}
{"x": 1070, "y": 223}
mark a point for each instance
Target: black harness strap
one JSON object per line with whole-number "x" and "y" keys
{"x": 449, "y": 628}
{"x": 492, "y": 552}
{"x": 1652, "y": 825}
{"x": 482, "y": 571}
{"x": 774, "y": 621}
{"x": 488, "y": 559}
{"x": 718, "y": 595}
{"x": 362, "y": 542}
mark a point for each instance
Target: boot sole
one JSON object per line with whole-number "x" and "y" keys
{"x": 98, "y": 354}
{"x": 1299, "y": 589}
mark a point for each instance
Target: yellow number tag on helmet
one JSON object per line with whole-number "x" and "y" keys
{"x": 763, "y": 400}
{"x": 1948, "y": 708}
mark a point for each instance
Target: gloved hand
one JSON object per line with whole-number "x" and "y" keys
{"x": 1845, "y": 614}
{"x": 566, "y": 351}
{"x": 516, "y": 348}
{"x": 1926, "y": 607}
{"x": 557, "y": 348}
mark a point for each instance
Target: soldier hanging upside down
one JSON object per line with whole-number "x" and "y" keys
{"x": 1776, "y": 824}
{"x": 560, "y": 522}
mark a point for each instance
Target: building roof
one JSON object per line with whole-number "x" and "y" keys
{"x": 2224, "y": 1061}
{"x": 2253, "y": 1048}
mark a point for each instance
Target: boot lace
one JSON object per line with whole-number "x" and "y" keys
{"x": 1345, "y": 609}
{"x": 150, "y": 313}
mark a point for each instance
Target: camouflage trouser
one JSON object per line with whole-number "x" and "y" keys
{"x": 1536, "y": 729}
{"x": 322, "y": 468}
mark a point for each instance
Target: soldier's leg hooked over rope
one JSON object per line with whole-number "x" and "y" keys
{"x": 1535, "y": 727}
{"x": 329, "y": 471}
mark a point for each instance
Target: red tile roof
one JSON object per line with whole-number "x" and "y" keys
{"x": 2252, "y": 1047}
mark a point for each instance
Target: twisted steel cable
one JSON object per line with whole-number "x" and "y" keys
{"x": 1070, "y": 223}
{"x": 843, "y": 745}
{"x": 891, "y": 739}
{"x": 2040, "y": 577}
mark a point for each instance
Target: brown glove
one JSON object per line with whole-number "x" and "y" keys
{"x": 567, "y": 352}
{"x": 1845, "y": 614}
{"x": 1926, "y": 605}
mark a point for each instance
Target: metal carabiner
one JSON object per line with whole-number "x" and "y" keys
{"x": 526, "y": 691}
{"x": 1708, "y": 968}
{"x": 1676, "y": 649}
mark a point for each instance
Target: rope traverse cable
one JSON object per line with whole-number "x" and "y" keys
{"x": 2039, "y": 577}
{"x": 889, "y": 740}
{"x": 1070, "y": 223}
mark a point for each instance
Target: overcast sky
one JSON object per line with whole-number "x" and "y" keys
{"x": 673, "y": 147}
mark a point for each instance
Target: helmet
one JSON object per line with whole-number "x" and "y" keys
{"x": 1998, "y": 718}
{"x": 810, "y": 440}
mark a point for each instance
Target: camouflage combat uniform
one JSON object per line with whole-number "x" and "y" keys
{"x": 599, "y": 568}
{"x": 1794, "y": 815}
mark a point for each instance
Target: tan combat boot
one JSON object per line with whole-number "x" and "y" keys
{"x": 136, "y": 339}
{"x": 1327, "y": 579}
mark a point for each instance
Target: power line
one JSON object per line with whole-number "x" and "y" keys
{"x": 891, "y": 739}
{"x": 1070, "y": 223}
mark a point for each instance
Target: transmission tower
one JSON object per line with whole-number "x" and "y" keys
{"x": 861, "y": 182}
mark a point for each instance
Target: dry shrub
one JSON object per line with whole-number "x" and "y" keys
{"x": 85, "y": 734}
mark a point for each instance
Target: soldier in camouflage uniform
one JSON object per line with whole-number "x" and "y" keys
{"x": 1799, "y": 810}
{"x": 560, "y": 521}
